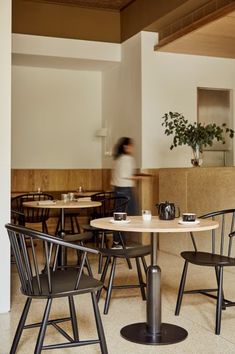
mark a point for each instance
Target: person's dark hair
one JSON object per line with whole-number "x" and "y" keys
{"x": 119, "y": 147}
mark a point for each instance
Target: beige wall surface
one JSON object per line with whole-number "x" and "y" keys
{"x": 121, "y": 98}
{"x": 169, "y": 83}
{"x": 128, "y": 99}
{"x": 5, "y": 150}
{"x": 55, "y": 114}
{"x": 57, "y": 100}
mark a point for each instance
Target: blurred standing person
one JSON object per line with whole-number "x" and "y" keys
{"x": 123, "y": 176}
{"x": 124, "y": 171}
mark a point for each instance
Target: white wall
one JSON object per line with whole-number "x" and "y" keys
{"x": 134, "y": 94}
{"x": 55, "y": 114}
{"x": 66, "y": 48}
{"x": 169, "y": 83}
{"x": 121, "y": 98}
{"x": 56, "y": 101}
{"x": 5, "y": 148}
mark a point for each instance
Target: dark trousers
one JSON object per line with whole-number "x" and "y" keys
{"x": 132, "y": 207}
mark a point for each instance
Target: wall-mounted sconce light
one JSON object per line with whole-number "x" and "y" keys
{"x": 103, "y": 133}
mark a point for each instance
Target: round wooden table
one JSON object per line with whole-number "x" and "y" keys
{"x": 153, "y": 331}
{"x": 60, "y": 204}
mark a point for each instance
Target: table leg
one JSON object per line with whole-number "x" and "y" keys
{"x": 153, "y": 331}
{"x": 61, "y": 256}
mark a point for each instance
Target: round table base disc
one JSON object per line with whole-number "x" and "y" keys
{"x": 170, "y": 334}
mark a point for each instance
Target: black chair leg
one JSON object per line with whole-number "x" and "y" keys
{"x": 88, "y": 266}
{"x": 219, "y": 301}
{"x": 144, "y": 264}
{"x": 71, "y": 224}
{"x": 217, "y": 278}
{"x": 141, "y": 282}
{"x": 43, "y": 328}
{"x": 73, "y": 318}
{"x": 77, "y": 225}
{"x": 124, "y": 246}
{"x": 181, "y": 289}
{"x": 20, "y": 327}
{"x": 58, "y": 226}
{"x": 110, "y": 286}
{"x": 103, "y": 276}
{"x": 44, "y": 227}
{"x": 100, "y": 255}
{"x": 99, "y": 326}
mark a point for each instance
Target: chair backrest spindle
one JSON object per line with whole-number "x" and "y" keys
{"x": 222, "y": 235}
{"x": 16, "y": 250}
{"x": 83, "y": 260}
{"x": 47, "y": 257}
{"x": 26, "y": 262}
{"x": 226, "y": 220}
{"x": 35, "y": 262}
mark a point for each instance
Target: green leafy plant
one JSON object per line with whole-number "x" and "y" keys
{"x": 193, "y": 134}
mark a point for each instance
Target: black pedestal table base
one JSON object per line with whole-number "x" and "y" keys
{"x": 153, "y": 331}
{"x": 138, "y": 333}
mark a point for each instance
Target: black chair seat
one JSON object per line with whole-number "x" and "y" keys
{"x": 112, "y": 254}
{"x": 208, "y": 259}
{"x": 63, "y": 283}
{"x": 131, "y": 252}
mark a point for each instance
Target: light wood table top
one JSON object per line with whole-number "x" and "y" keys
{"x": 55, "y": 204}
{"x": 137, "y": 224}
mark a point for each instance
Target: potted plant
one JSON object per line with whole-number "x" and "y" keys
{"x": 196, "y": 135}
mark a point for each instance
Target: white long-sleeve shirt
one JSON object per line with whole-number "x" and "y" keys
{"x": 123, "y": 171}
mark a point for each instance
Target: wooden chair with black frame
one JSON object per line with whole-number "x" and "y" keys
{"x": 218, "y": 260}
{"x": 46, "y": 281}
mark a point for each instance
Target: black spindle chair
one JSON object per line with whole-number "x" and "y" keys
{"x": 112, "y": 255}
{"x": 109, "y": 205}
{"x": 31, "y": 215}
{"x": 216, "y": 258}
{"x": 48, "y": 281}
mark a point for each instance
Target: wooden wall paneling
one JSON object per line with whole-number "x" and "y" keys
{"x": 106, "y": 178}
{"x": 56, "y": 180}
{"x": 27, "y": 180}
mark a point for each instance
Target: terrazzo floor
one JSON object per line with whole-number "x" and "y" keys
{"x": 197, "y": 314}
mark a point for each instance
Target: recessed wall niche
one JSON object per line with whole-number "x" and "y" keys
{"x": 215, "y": 106}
